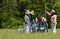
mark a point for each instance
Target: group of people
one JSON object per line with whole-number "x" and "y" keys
{"x": 39, "y": 24}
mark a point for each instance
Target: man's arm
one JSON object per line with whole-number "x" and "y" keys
{"x": 48, "y": 13}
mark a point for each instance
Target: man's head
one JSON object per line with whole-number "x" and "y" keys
{"x": 27, "y": 12}
{"x": 32, "y": 12}
{"x": 53, "y": 12}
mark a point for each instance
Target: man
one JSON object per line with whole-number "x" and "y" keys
{"x": 53, "y": 16}
{"x": 27, "y": 21}
{"x": 31, "y": 21}
{"x": 43, "y": 24}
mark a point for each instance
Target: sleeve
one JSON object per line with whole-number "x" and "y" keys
{"x": 48, "y": 13}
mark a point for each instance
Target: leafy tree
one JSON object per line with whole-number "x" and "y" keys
{"x": 12, "y": 11}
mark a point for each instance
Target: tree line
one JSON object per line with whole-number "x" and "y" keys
{"x": 12, "y": 11}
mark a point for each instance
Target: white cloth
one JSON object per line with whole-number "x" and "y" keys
{"x": 53, "y": 26}
{"x": 27, "y": 28}
{"x": 27, "y": 24}
{"x": 27, "y": 20}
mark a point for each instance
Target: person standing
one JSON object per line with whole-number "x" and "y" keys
{"x": 31, "y": 20}
{"x": 27, "y": 21}
{"x": 53, "y": 16}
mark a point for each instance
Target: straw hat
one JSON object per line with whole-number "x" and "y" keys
{"x": 52, "y": 10}
{"x": 32, "y": 12}
{"x": 27, "y": 12}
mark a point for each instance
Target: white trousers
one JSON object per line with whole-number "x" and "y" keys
{"x": 53, "y": 26}
{"x": 27, "y": 28}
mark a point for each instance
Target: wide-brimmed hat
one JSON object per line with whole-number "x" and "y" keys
{"x": 32, "y": 12}
{"x": 52, "y": 10}
{"x": 27, "y": 12}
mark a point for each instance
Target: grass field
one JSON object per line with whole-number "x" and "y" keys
{"x": 14, "y": 34}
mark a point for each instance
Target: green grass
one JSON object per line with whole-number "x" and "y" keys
{"x": 14, "y": 34}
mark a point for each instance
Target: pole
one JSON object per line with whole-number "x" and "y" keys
{"x": 53, "y": 3}
{"x": 45, "y": 10}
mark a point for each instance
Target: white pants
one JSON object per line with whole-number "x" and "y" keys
{"x": 27, "y": 28}
{"x": 53, "y": 26}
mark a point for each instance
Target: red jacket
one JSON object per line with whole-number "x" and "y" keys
{"x": 41, "y": 19}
